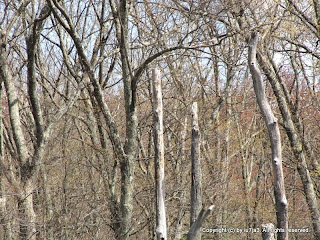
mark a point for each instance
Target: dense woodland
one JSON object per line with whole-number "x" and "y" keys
{"x": 79, "y": 133}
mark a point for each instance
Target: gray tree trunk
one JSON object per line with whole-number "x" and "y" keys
{"x": 28, "y": 163}
{"x": 26, "y": 212}
{"x": 296, "y": 145}
{"x": 196, "y": 176}
{"x": 3, "y": 199}
{"x": 130, "y": 146}
{"x": 275, "y": 139}
{"x": 161, "y": 228}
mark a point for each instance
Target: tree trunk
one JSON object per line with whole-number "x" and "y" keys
{"x": 296, "y": 145}
{"x": 3, "y": 199}
{"x": 26, "y": 212}
{"x": 275, "y": 139}
{"x": 127, "y": 167}
{"x": 196, "y": 177}
{"x": 161, "y": 228}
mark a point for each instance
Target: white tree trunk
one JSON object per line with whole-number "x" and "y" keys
{"x": 161, "y": 229}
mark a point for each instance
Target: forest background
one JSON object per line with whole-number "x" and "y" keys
{"x": 77, "y": 130}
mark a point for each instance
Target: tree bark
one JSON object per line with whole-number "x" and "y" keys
{"x": 26, "y": 212}
{"x": 6, "y": 233}
{"x": 296, "y": 144}
{"x": 29, "y": 164}
{"x": 196, "y": 176}
{"x": 161, "y": 229}
{"x": 275, "y": 139}
{"x": 130, "y": 147}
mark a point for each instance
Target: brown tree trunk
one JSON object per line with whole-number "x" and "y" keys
{"x": 275, "y": 139}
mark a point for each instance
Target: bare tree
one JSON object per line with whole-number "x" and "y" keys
{"x": 161, "y": 228}
{"x": 196, "y": 176}
{"x": 29, "y": 156}
{"x": 87, "y": 172}
{"x": 275, "y": 139}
